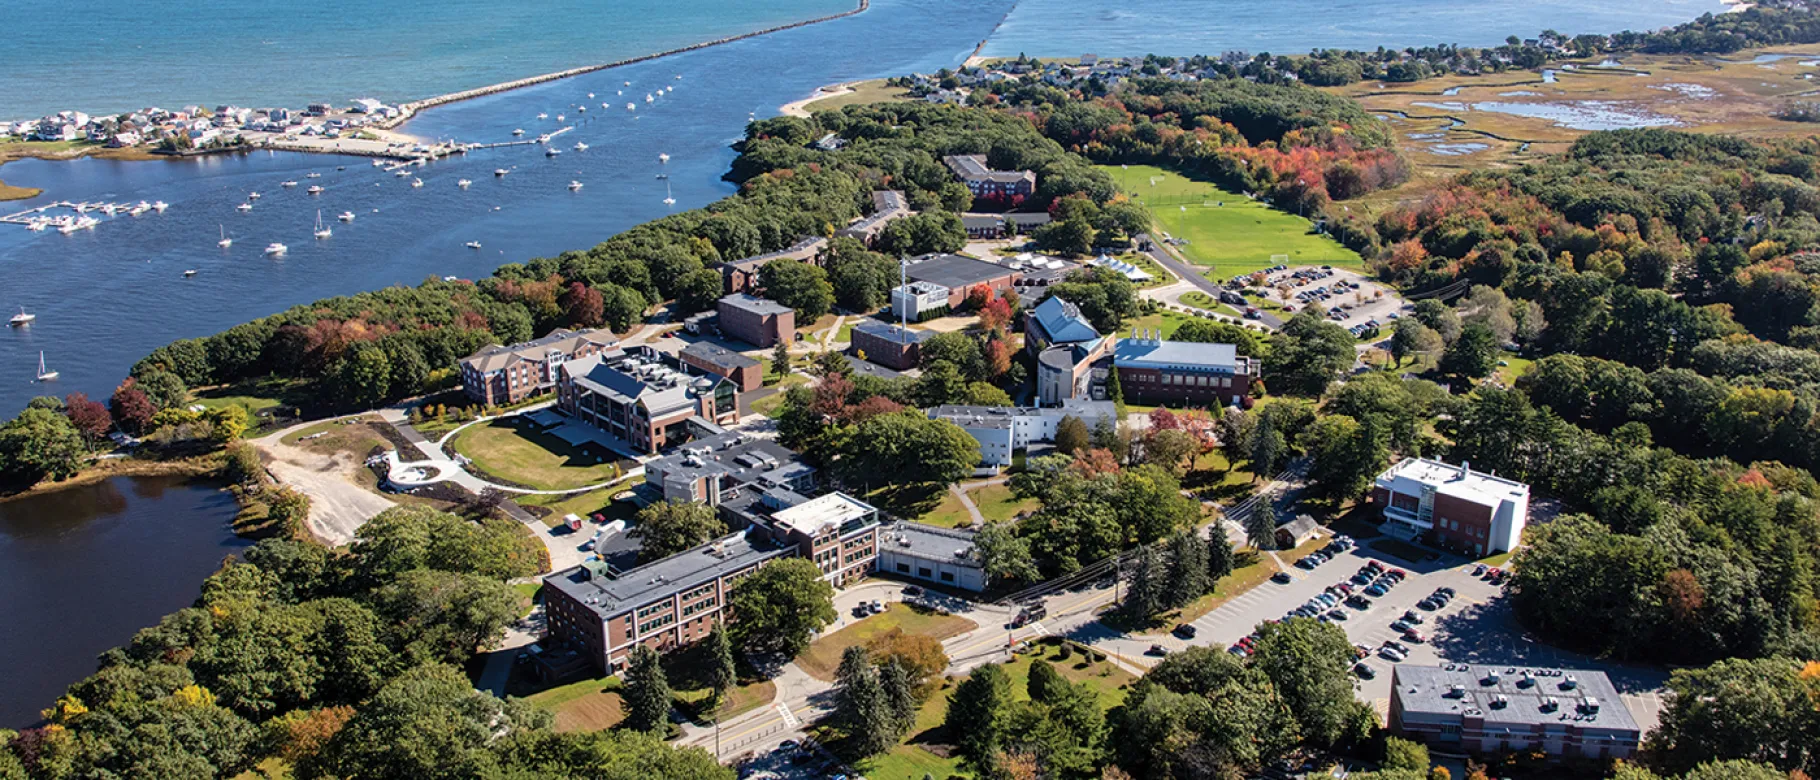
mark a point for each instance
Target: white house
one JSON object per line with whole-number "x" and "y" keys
{"x": 1003, "y": 430}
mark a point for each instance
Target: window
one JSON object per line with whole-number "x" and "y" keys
{"x": 904, "y": 567}
{"x": 947, "y": 576}
{"x": 923, "y": 571}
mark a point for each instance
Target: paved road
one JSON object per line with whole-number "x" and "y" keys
{"x": 1193, "y": 276}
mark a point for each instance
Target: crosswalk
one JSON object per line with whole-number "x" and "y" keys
{"x": 790, "y": 719}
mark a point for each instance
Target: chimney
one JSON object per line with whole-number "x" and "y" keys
{"x": 1465, "y": 469}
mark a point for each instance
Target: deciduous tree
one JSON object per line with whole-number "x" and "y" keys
{"x": 780, "y": 607}
{"x": 669, "y": 527}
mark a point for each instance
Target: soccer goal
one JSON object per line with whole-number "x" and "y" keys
{"x": 1276, "y": 260}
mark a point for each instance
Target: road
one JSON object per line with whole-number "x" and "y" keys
{"x": 1193, "y": 276}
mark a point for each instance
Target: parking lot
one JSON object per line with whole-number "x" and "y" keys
{"x": 1476, "y": 626}
{"x": 1346, "y": 297}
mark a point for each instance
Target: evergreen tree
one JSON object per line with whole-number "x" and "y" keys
{"x": 977, "y": 712}
{"x": 900, "y": 696}
{"x": 1144, "y": 595}
{"x": 860, "y": 706}
{"x": 1045, "y": 682}
{"x": 1219, "y": 556}
{"x": 1115, "y": 392}
{"x": 1267, "y": 447}
{"x": 1187, "y": 568}
{"x": 1261, "y": 526}
{"x": 721, "y": 674}
{"x": 780, "y": 359}
{"x": 647, "y": 691}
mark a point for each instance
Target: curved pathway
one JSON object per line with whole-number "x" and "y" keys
{"x": 447, "y": 469}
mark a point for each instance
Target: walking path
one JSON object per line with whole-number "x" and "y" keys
{"x": 436, "y": 465}
{"x": 960, "y": 493}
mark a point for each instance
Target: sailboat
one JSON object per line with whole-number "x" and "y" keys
{"x": 44, "y": 374}
{"x": 225, "y": 242}
{"x": 322, "y": 231}
{"x": 663, "y": 158}
{"x": 22, "y": 318}
{"x": 669, "y": 199}
{"x": 574, "y": 185}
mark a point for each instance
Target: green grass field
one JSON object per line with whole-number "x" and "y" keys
{"x": 510, "y": 449}
{"x": 1238, "y": 237}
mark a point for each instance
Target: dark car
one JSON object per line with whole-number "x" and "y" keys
{"x": 1337, "y": 614}
{"x": 1281, "y": 578}
{"x": 913, "y": 590}
{"x": 1364, "y": 671}
{"x": 1157, "y": 650}
{"x": 1185, "y": 631}
{"x": 1359, "y": 602}
{"x": 1429, "y": 604}
{"x": 1412, "y": 616}
{"x": 1376, "y": 590}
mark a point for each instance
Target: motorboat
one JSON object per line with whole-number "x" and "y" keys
{"x": 189, "y": 273}
{"x": 159, "y": 206}
{"x": 663, "y": 176}
{"x": 312, "y": 175}
{"x": 139, "y": 209}
{"x": 518, "y": 131}
{"x": 401, "y": 173}
{"x": 275, "y": 249}
{"x": 500, "y": 171}
{"x": 551, "y": 152}
{"x": 322, "y": 231}
{"x": 580, "y": 147}
{"x": 590, "y": 96}
{"x": 44, "y": 374}
{"x": 631, "y": 106}
{"x": 378, "y": 163}
{"x": 669, "y": 199}
{"x": 244, "y": 207}
{"x": 574, "y": 186}
{"x": 225, "y": 242}
{"x": 560, "y": 117}
{"x": 473, "y": 244}
{"x": 416, "y": 183}
{"x": 37, "y": 225}
{"x": 252, "y": 196}
{"x": 581, "y": 109}
{"x": 346, "y": 216}
{"x": 315, "y": 189}
{"x": 21, "y": 318}
{"x": 649, "y": 97}
{"x": 543, "y": 116}
{"x": 663, "y": 157}
{"x": 287, "y": 184}
{"x": 463, "y": 183}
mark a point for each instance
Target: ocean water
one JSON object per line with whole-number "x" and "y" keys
{"x": 1066, "y": 28}
{"x": 107, "y": 56}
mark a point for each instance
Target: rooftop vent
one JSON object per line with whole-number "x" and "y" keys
{"x": 1527, "y": 681}
{"x": 1500, "y": 701}
{"x": 1570, "y": 683}
{"x": 1589, "y": 705}
{"x": 1550, "y": 704}
{"x": 1491, "y": 678}
{"x": 1456, "y": 692}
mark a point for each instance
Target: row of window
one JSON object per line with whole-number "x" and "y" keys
{"x": 1475, "y": 531}
{"x": 664, "y": 620}
{"x": 1185, "y": 380}
{"x": 924, "y": 572}
{"x": 701, "y": 606}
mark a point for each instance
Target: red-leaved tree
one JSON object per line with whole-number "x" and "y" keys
{"x": 131, "y": 409}
{"x": 89, "y": 417}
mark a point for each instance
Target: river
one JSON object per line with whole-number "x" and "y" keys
{"x": 83, "y": 568}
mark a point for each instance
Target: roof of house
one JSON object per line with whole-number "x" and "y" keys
{"x": 982, "y": 222}
{"x": 931, "y": 542}
{"x": 716, "y": 355}
{"x": 955, "y": 271}
{"x": 495, "y": 357}
{"x": 1300, "y": 527}
{"x": 1457, "y": 481}
{"x": 805, "y": 246}
{"x": 892, "y": 332}
{"x": 887, "y": 205}
{"x": 1460, "y": 689}
{"x": 1026, "y": 219}
{"x": 1175, "y": 355}
{"x": 755, "y": 305}
{"x": 1063, "y": 321}
{"x": 973, "y": 167}
{"x": 596, "y": 587}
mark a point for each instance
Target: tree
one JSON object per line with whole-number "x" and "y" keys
{"x": 906, "y": 448}
{"x": 976, "y": 713}
{"x": 721, "y": 673}
{"x": 603, "y": 755}
{"x": 428, "y": 722}
{"x": 699, "y": 290}
{"x": 1171, "y": 449}
{"x": 647, "y": 691}
{"x": 1261, "y": 525}
{"x": 164, "y": 388}
{"x": 920, "y": 656}
{"x": 1473, "y": 355}
{"x": 1187, "y": 568}
{"x": 1410, "y": 337}
{"x": 1309, "y": 662}
{"x": 1146, "y": 593}
{"x": 1115, "y": 392}
{"x": 1346, "y": 454}
{"x": 40, "y": 444}
{"x": 441, "y": 616}
{"x": 1219, "y": 556}
{"x": 669, "y": 527}
{"x": 1308, "y": 354}
{"x": 1267, "y": 449}
{"x": 900, "y": 695}
{"x": 1404, "y": 754}
{"x": 1071, "y": 435}
{"x": 780, "y": 607}
{"x": 131, "y": 408}
{"x": 860, "y": 708}
{"x": 798, "y": 285}
{"x": 1751, "y": 709}
{"x": 1004, "y": 556}
{"x": 780, "y": 359}
{"x": 89, "y": 417}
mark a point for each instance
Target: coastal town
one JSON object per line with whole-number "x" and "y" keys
{"x": 1098, "y": 417}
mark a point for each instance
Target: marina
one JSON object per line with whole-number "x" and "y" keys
{"x": 43, "y": 218}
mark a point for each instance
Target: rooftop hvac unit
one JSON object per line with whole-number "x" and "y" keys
{"x": 1491, "y": 678}
{"x": 1570, "y": 683}
{"x": 1457, "y": 692}
{"x": 902, "y": 542}
{"x": 1500, "y": 700}
{"x": 1589, "y": 705}
{"x": 1550, "y": 704}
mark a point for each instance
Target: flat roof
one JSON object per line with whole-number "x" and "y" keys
{"x": 955, "y": 271}
{"x": 927, "y": 541}
{"x": 1457, "y": 480}
{"x": 892, "y": 332}
{"x": 754, "y": 304}
{"x": 1431, "y": 690}
{"x": 744, "y": 458}
{"x": 813, "y": 517}
{"x": 1175, "y": 355}
{"x": 608, "y": 594}
{"x": 717, "y": 355}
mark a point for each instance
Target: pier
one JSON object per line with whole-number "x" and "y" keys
{"x": 36, "y": 218}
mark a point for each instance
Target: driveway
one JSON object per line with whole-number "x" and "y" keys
{"x": 1194, "y": 276}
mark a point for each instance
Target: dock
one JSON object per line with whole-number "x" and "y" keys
{"x": 27, "y": 217}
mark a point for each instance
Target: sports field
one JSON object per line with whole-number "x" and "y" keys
{"x": 1226, "y": 231}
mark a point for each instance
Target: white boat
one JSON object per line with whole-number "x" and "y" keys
{"x": 580, "y": 147}
{"x": 416, "y": 183}
{"x": 159, "y": 206}
{"x": 378, "y": 163}
{"x": 590, "y": 96}
{"x": 402, "y": 173}
{"x": 463, "y": 183}
{"x": 669, "y": 199}
{"x": 37, "y": 225}
{"x": 44, "y": 374}
{"x": 322, "y": 231}
{"x": 189, "y": 273}
{"x": 518, "y": 131}
{"x": 22, "y": 318}
{"x": 225, "y": 242}
{"x": 560, "y": 117}
{"x": 581, "y": 109}
{"x": 679, "y": 77}
{"x": 574, "y": 185}
{"x": 85, "y": 223}
{"x": 315, "y": 189}
{"x": 108, "y": 209}
{"x": 606, "y": 105}
{"x": 244, "y": 207}
{"x": 473, "y": 244}
{"x": 543, "y": 116}
{"x": 663, "y": 157}
{"x": 551, "y": 152}
{"x": 628, "y": 83}
{"x": 346, "y": 216}
{"x": 287, "y": 184}
{"x": 275, "y": 249}
{"x": 663, "y": 176}
{"x": 631, "y": 106}
{"x": 649, "y": 97}
{"x": 139, "y": 209}
{"x": 252, "y": 196}
{"x": 312, "y": 175}
{"x": 499, "y": 171}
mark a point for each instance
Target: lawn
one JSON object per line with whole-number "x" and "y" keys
{"x": 511, "y": 449}
{"x": 589, "y": 705}
{"x": 767, "y": 405}
{"x": 583, "y": 504}
{"x": 949, "y": 513}
{"x": 875, "y": 91}
{"x": 823, "y": 655}
{"x": 1514, "y": 367}
{"x": 1237, "y": 237}
{"x": 1107, "y": 680}
{"x": 996, "y": 503}
{"x": 1166, "y": 321}
{"x": 256, "y": 395}
{"x": 1202, "y": 300}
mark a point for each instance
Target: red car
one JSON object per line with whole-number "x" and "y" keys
{"x": 1413, "y": 635}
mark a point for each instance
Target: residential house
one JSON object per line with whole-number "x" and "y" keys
{"x": 742, "y": 275}
{"x": 887, "y": 206}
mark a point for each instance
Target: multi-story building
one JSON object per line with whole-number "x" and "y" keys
{"x": 1154, "y": 371}
{"x": 887, "y": 205}
{"x": 1069, "y": 351}
{"x": 503, "y": 375}
{"x": 645, "y": 400}
{"x": 1457, "y": 508}
{"x": 944, "y": 556}
{"x": 707, "y": 357}
{"x": 889, "y": 345}
{"x": 918, "y": 301}
{"x": 1490, "y": 710}
{"x": 1056, "y": 321}
{"x": 706, "y": 471}
{"x": 961, "y": 275}
{"x": 984, "y": 182}
{"x": 1003, "y": 430}
{"x": 756, "y": 321}
{"x": 742, "y": 275}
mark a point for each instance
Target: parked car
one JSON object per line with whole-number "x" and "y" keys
{"x": 1157, "y": 650}
{"x": 1359, "y": 603}
{"x": 1281, "y": 578}
{"x": 1337, "y": 614}
{"x": 1391, "y": 654}
{"x": 1364, "y": 670}
{"x": 1399, "y": 626}
{"x": 1185, "y": 631}
{"x": 1431, "y": 604}
{"x": 1412, "y": 617}
{"x": 913, "y": 590}
{"x": 1413, "y": 635}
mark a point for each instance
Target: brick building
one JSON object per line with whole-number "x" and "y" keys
{"x": 887, "y": 205}
{"x": 888, "y": 345}
{"x": 756, "y": 321}
{"x": 644, "y": 399}
{"x": 1494, "y": 711}
{"x": 985, "y": 182}
{"x": 707, "y": 357}
{"x": 742, "y": 275}
{"x": 1154, "y": 371}
{"x": 1456, "y": 507}
{"x": 504, "y": 375}
{"x": 961, "y": 274}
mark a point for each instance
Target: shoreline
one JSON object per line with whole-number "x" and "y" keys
{"x": 107, "y": 468}
{"x": 799, "y": 108}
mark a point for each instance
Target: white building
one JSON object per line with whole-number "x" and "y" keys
{"x": 1003, "y": 430}
{"x": 943, "y": 556}
{"x": 1459, "y": 508}
{"x": 916, "y": 300}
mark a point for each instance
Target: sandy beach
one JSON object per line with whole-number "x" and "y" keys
{"x": 798, "y": 107}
